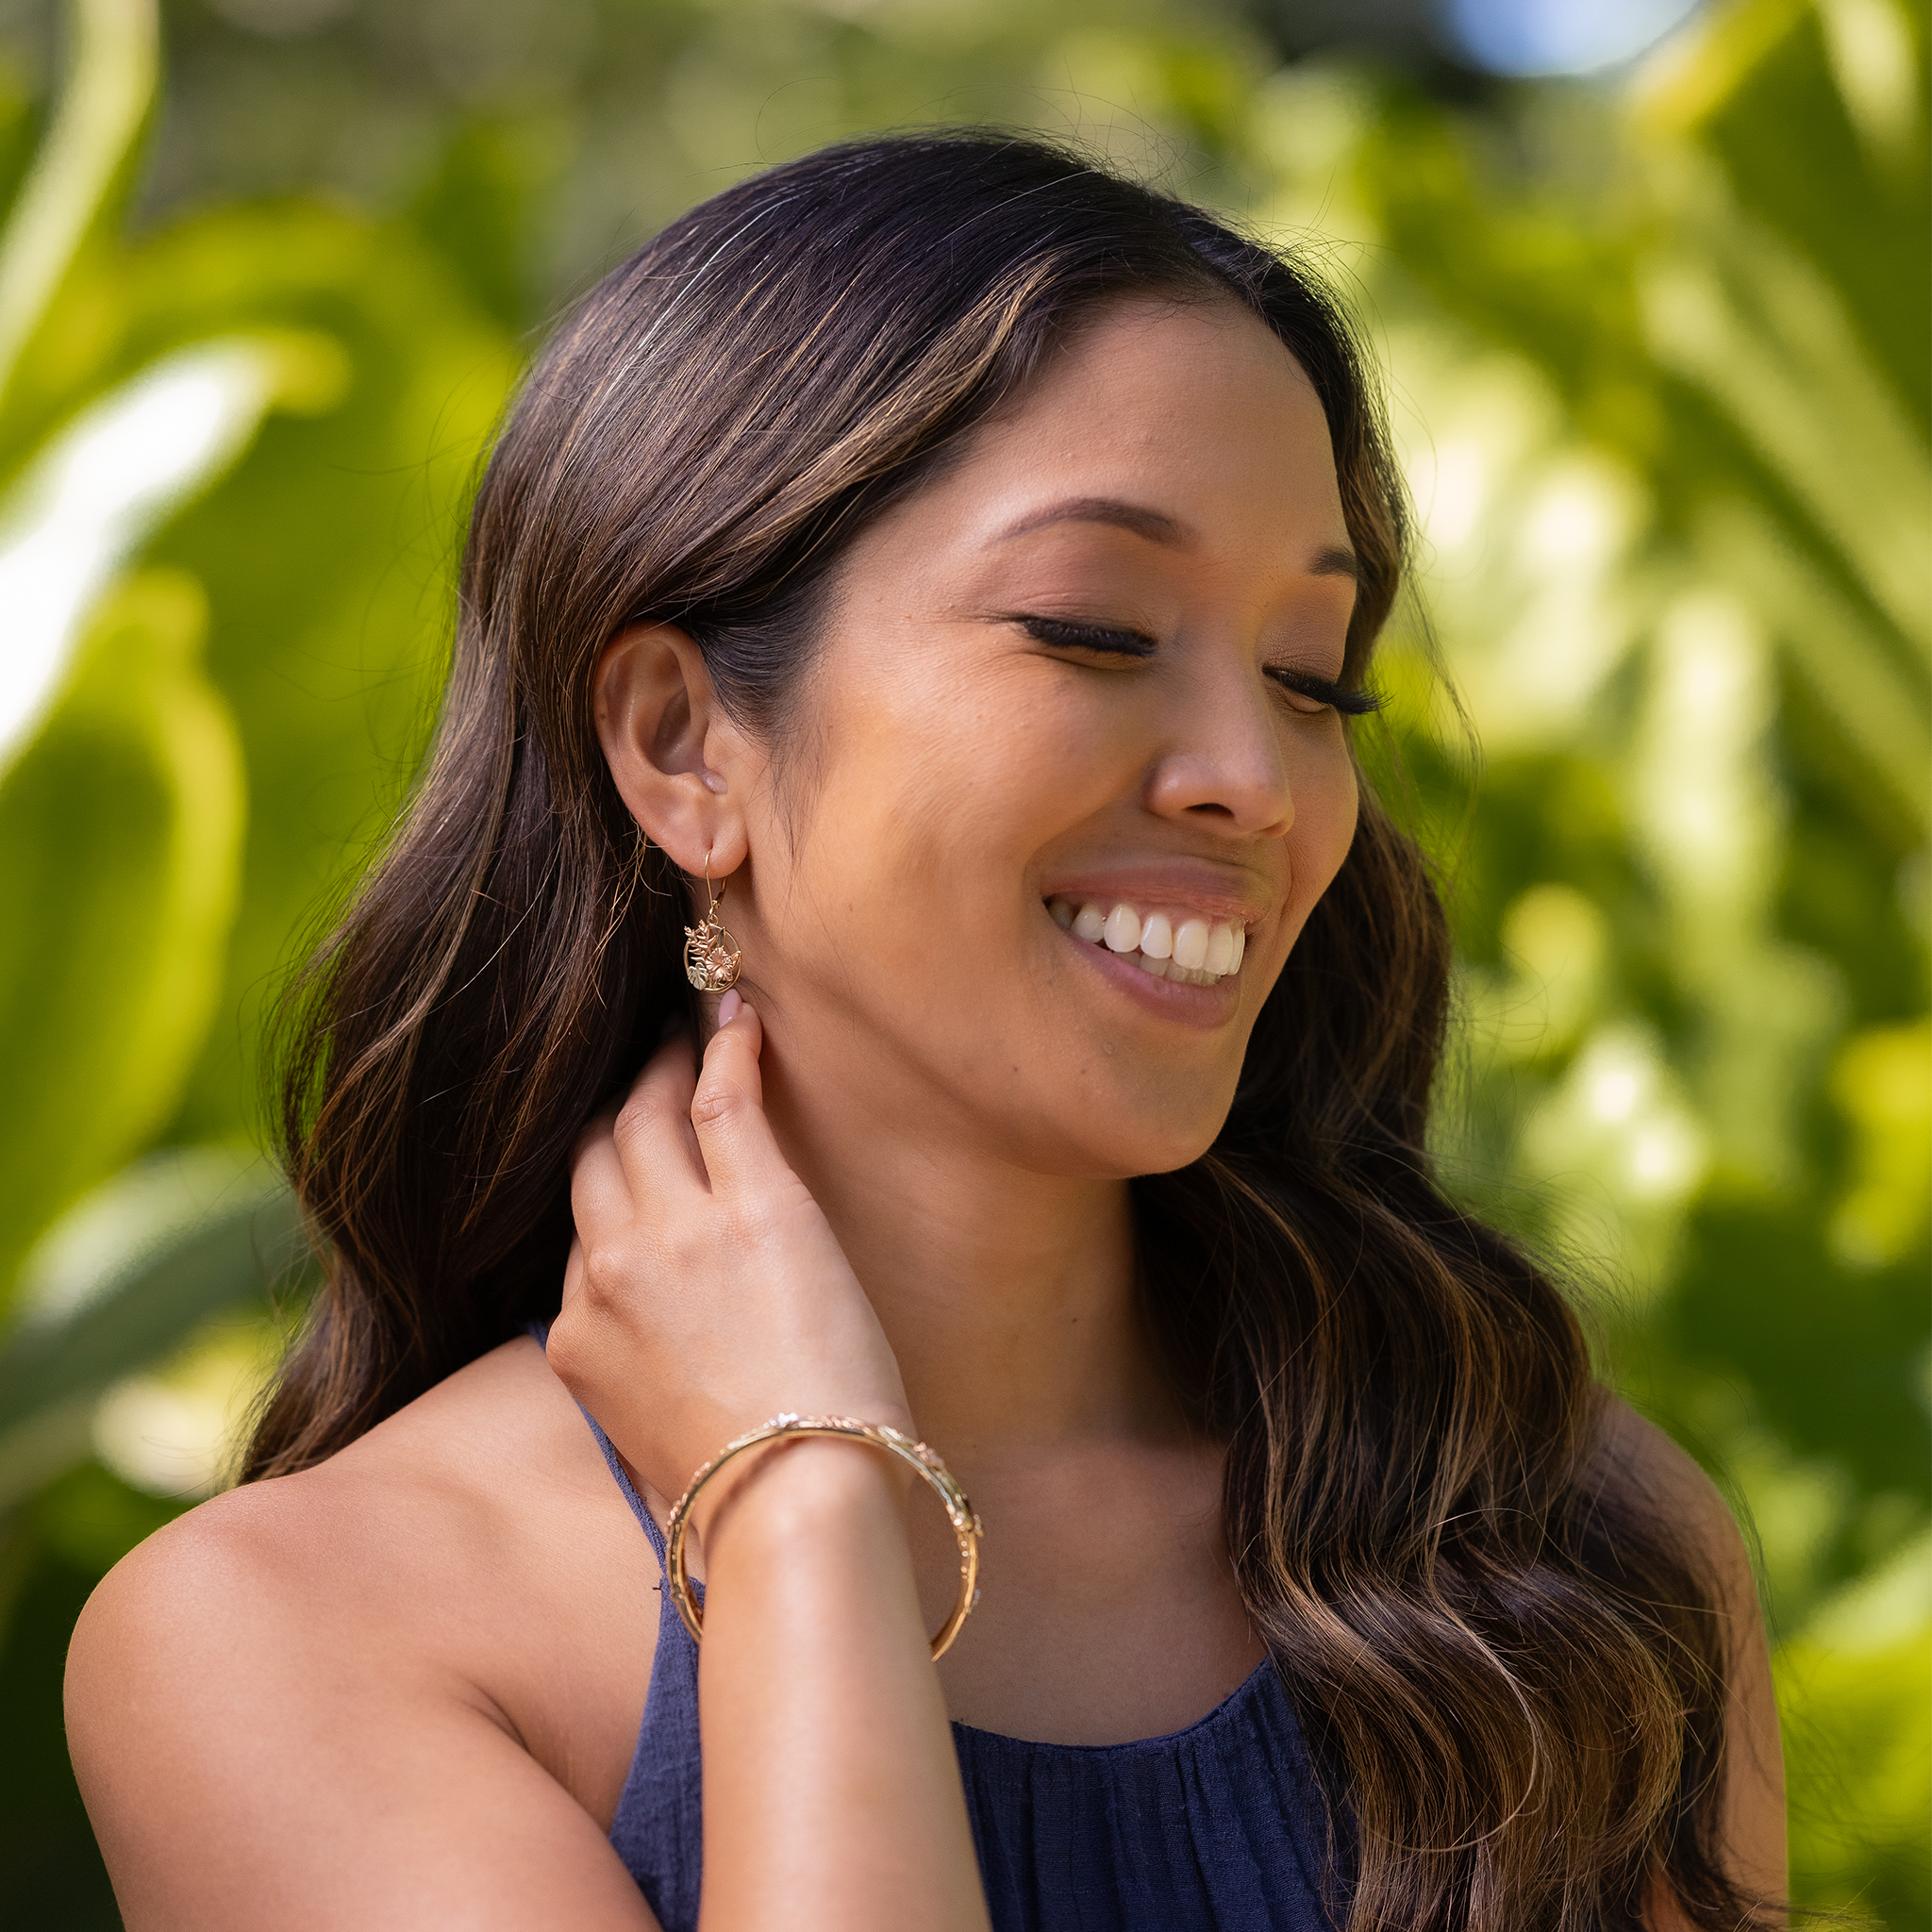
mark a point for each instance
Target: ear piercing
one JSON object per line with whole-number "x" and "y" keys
{"x": 711, "y": 959}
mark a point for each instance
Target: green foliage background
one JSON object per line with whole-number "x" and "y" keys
{"x": 1658, "y": 355}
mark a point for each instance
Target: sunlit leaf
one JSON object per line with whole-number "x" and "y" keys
{"x": 120, "y": 834}
{"x": 120, "y": 1279}
{"x": 96, "y": 494}
{"x": 1856, "y": 1693}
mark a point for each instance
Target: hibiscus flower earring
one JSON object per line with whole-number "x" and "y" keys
{"x": 711, "y": 954}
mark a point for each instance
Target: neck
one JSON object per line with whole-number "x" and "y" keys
{"x": 1008, "y": 1296}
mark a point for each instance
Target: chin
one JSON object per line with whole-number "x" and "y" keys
{"x": 1177, "y": 1153}
{"x": 1141, "y": 1147}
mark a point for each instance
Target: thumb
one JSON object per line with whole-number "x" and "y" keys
{"x": 727, "y": 1110}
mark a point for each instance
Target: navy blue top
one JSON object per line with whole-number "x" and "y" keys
{"x": 1216, "y": 1829}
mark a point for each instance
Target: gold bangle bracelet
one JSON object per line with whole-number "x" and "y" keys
{"x": 967, "y": 1526}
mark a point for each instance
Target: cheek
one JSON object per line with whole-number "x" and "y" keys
{"x": 950, "y": 782}
{"x": 919, "y": 827}
{"x": 1328, "y": 798}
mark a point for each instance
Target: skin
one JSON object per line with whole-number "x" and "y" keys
{"x": 404, "y": 1687}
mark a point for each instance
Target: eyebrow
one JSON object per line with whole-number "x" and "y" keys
{"x": 1331, "y": 560}
{"x": 1135, "y": 517}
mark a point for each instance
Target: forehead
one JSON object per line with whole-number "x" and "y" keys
{"x": 1196, "y": 411}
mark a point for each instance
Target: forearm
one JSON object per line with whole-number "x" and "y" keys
{"x": 832, "y": 1793}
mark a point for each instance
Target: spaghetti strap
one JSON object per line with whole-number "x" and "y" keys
{"x": 657, "y": 1830}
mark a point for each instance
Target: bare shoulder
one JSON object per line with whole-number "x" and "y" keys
{"x": 1655, "y": 1471}
{"x": 435, "y": 1495}
{"x": 1661, "y": 1476}
{"x": 420, "y": 1634}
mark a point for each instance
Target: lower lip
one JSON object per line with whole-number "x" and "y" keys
{"x": 1169, "y": 999}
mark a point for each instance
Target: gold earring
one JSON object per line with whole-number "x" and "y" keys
{"x": 711, "y": 954}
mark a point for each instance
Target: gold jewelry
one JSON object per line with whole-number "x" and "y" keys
{"x": 966, "y": 1524}
{"x": 711, "y": 957}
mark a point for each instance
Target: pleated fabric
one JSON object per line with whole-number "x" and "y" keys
{"x": 1216, "y": 1829}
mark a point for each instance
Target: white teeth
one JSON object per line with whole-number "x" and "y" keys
{"x": 1190, "y": 944}
{"x": 1197, "y": 952}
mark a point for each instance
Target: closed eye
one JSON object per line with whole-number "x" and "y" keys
{"x": 1325, "y": 693}
{"x": 1063, "y": 635}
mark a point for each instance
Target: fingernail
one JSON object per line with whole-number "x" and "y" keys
{"x": 727, "y": 1007}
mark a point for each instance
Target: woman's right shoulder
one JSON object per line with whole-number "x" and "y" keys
{"x": 450, "y": 1474}
{"x": 434, "y": 1616}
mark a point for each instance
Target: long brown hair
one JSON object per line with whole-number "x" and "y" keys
{"x": 1512, "y": 1682}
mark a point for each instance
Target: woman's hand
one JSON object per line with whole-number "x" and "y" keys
{"x": 705, "y": 1292}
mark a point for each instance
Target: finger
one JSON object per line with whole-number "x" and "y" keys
{"x": 652, "y": 1132}
{"x": 728, "y": 1108}
{"x": 599, "y": 1189}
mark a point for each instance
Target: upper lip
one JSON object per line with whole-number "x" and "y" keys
{"x": 1221, "y": 892}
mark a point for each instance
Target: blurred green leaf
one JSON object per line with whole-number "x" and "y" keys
{"x": 1856, "y": 1695}
{"x": 1796, "y": 142}
{"x": 69, "y": 187}
{"x": 119, "y": 467}
{"x": 1754, "y": 324}
{"x": 328, "y": 556}
{"x": 119, "y": 833}
{"x": 1847, "y": 671}
{"x": 134, "y": 1267}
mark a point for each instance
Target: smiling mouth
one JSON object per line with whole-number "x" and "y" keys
{"x": 1187, "y": 946}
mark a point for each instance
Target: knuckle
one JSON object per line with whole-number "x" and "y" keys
{"x": 755, "y": 1232}
{"x": 605, "y": 1270}
{"x": 714, "y": 1106}
{"x": 736, "y": 1228}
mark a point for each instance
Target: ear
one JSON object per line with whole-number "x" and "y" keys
{"x": 681, "y": 766}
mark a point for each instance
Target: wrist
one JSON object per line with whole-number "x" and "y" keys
{"x": 830, "y": 1501}
{"x": 799, "y": 1485}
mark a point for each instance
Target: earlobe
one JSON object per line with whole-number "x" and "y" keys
{"x": 664, "y": 737}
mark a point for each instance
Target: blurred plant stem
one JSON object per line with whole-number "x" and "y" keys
{"x": 103, "y": 108}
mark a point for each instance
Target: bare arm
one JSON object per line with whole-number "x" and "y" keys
{"x": 831, "y": 1788}
{"x": 832, "y": 1793}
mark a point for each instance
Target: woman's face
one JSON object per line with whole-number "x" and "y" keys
{"x": 1062, "y": 786}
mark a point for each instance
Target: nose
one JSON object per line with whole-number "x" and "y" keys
{"x": 1225, "y": 763}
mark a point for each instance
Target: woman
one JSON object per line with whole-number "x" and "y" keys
{"x": 931, "y": 583}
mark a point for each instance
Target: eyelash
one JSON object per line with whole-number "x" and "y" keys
{"x": 1133, "y": 643}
